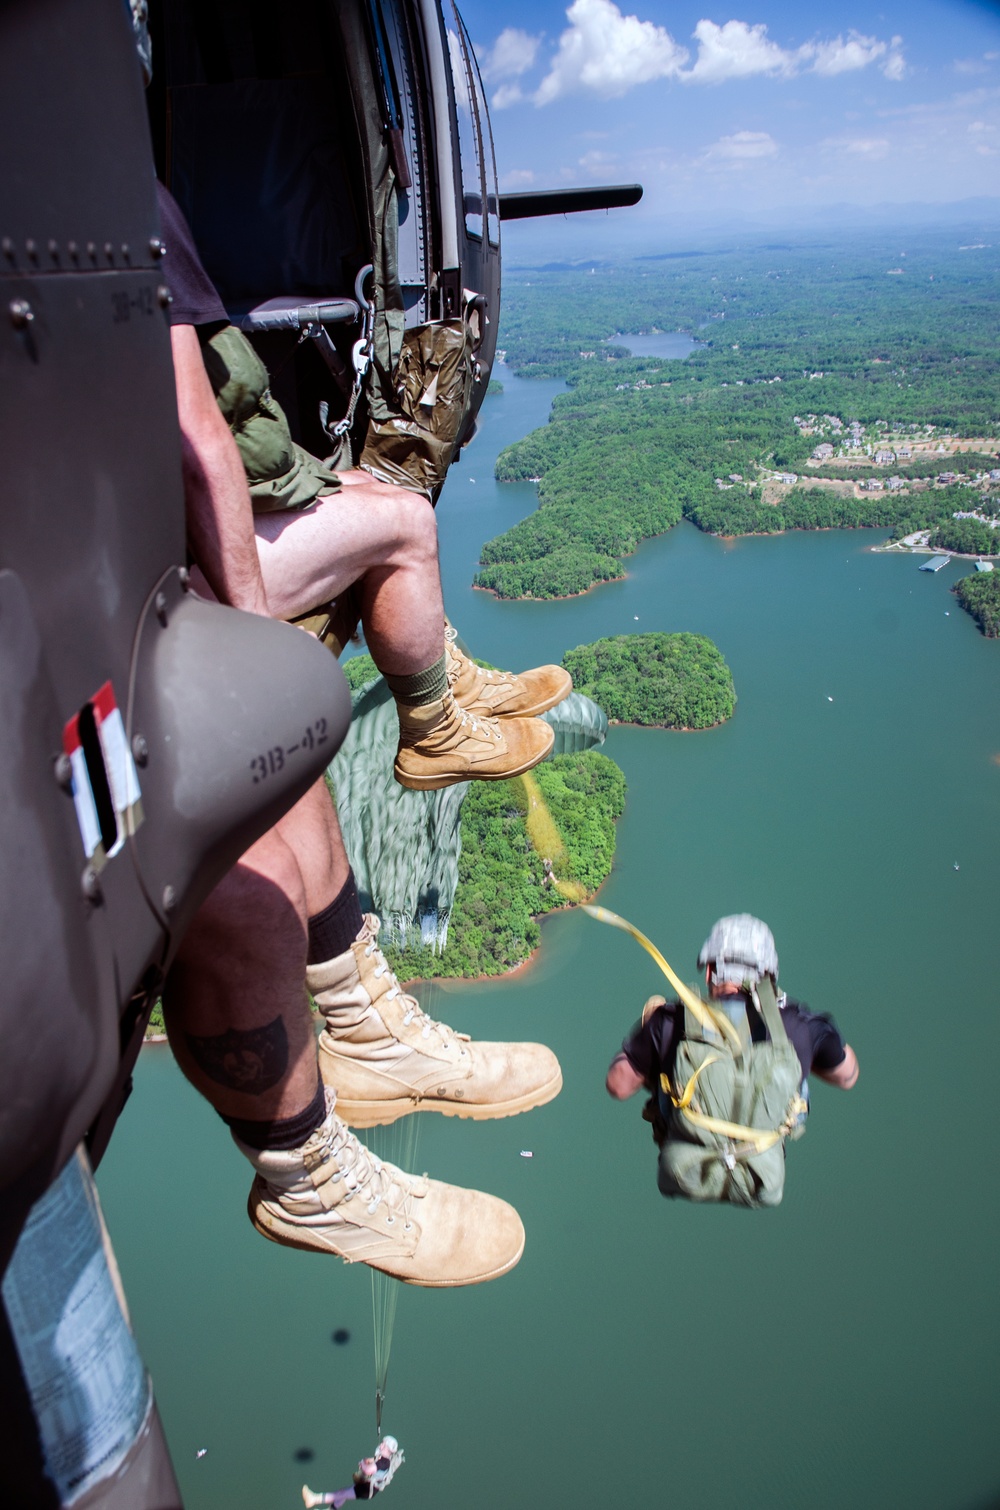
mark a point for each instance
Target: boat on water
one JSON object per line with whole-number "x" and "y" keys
{"x": 935, "y": 563}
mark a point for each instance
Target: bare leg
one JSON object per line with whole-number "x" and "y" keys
{"x": 235, "y": 1003}
{"x": 383, "y": 536}
{"x": 313, "y": 834}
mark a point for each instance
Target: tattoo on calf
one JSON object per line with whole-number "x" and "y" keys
{"x": 251, "y": 1061}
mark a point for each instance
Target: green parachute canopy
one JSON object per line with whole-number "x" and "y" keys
{"x": 404, "y": 846}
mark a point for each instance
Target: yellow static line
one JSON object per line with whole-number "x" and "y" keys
{"x": 542, "y": 831}
{"x": 716, "y": 1022}
{"x": 546, "y": 839}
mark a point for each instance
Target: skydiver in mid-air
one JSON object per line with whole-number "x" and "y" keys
{"x": 371, "y": 1476}
{"x": 711, "y": 1067}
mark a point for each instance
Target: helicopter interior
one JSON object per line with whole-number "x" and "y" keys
{"x": 268, "y": 123}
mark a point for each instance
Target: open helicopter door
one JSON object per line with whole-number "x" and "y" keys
{"x": 310, "y": 141}
{"x": 135, "y": 718}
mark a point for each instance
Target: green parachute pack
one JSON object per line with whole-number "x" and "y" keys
{"x": 732, "y": 1103}
{"x": 729, "y": 1105}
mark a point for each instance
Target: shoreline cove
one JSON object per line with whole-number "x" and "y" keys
{"x": 444, "y": 982}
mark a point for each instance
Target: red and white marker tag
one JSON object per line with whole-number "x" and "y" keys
{"x": 83, "y": 793}
{"x": 116, "y": 777}
{"x": 123, "y": 778}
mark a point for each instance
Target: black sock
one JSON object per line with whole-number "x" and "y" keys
{"x": 333, "y": 931}
{"x": 287, "y": 1132}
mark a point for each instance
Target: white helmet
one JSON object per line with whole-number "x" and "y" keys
{"x": 739, "y": 948}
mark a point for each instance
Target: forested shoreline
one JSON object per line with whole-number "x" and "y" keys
{"x": 795, "y": 339}
{"x": 979, "y": 595}
{"x": 504, "y": 884}
{"x": 666, "y": 681}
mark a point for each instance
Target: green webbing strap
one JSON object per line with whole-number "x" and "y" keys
{"x": 766, "y": 1002}
{"x": 709, "y": 1017}
{"x": 735, "y": 1035}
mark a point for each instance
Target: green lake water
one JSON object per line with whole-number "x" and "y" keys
{"x": 840, "y": 1351}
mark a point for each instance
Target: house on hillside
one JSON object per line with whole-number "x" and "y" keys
{"x": 872, "y": 484}
{"x": 823, "y": 452}
{"x": 884, "y": 458}
{"x": 894, "y": 484}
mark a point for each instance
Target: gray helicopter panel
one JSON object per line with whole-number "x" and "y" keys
{"x": 133, "y": 713}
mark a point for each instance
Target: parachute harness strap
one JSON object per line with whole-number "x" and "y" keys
{"x": 716, "y": 1023}
{"x": 755, "y": 1140}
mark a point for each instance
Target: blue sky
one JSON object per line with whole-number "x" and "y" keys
{"x": 745, "y": 109}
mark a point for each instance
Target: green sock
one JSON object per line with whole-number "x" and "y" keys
{"x": 422, "y": 687}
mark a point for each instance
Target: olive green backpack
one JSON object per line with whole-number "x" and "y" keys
{"x": 280, "y": 474}
{"x": 729, "y": 1105}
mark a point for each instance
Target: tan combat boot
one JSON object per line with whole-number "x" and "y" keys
{"x": 503, "y": 694}
{"x": 441, "y": 744}
{"x": 386, "y": 1058}
{"x": 333, "y": 1196}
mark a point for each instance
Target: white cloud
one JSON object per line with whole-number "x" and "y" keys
{"x": 608, "y": 53}
{"x": 597, "y": 163}
{"x": 735, "y": 51}
{"x": 871, "y": 147}
{"x": 738, "y": 51}
{"x": 507, "y": 94}
{"x": 741, "y": 146}
{"x": 977, "y": 130}
{"x": 976, "y": 65}
{"x": 512, "y": 54}
{"x": 840, "y": 56}
{"x": 517, "y": 178}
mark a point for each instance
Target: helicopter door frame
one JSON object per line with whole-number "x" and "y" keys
{"x": 418, "y": 236}
{"x": 488, "y": 235}
{"x": 439, "y": 78}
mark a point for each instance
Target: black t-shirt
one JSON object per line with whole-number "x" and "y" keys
{"x": 195, "y": 299}
{"x": 650, "y": 1048}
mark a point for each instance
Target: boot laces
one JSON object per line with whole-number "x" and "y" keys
{"x": 414, "y": 1011}
{"x": 489, "y": 727}
{"x": 456, "y": 657}
{"x": 363, "y": 1173}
